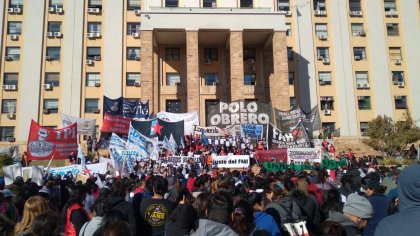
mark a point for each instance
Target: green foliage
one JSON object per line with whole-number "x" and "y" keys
{"x": 391, "y": 137}
{"x": 5, "y": 160}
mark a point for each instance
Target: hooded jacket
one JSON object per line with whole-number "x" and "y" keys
{"x": 347, "y": 223}
{"x": 406, "y": 221}
{"x": 119, "y": 204}
{"x": 380, "y": 205}
{"x": 90, "y": 227}
{"x": 212, "y": 228}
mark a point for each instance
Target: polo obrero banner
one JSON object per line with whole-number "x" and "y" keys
{"x": 43, "y": 143}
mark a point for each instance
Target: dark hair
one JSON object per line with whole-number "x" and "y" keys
{"x": 243, "y": 218}
{"x": 331, "y": 228}
{"x": 45, "y": 224}
{"x": 100, "y": 206}
{"x": 118, "y": 188}
{"x": 393, "y": 206}
{"x": 278, "y": 193}
{"x": 118, "y": 228}
{"x": 220, "y": 207}
{"x": 7, "y": 227}
{"x": 255, "y": 198}
{"x": 201, "y": 204}
{"x": 159, "y": 185}
{"x": 110, "y": 217}
{"x": 78, "y": 195}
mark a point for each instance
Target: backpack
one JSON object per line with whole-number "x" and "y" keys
{"x": 291, "y": 218}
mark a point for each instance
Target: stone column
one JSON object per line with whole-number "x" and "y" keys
{"x": 279, "y": 81}
{"x": 236, "y": 66}
{"x": 193, "y": 79}
{"x": 147, "y": 69}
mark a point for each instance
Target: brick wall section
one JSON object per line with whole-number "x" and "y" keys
{"x": 279, "y": 84}
{"x": 156, "y": 95}
{"x": 147, "y": 68}
{"x": 193, "y": 80}
{"x": 268, "y": 70}
{"x": 236, "y": 66}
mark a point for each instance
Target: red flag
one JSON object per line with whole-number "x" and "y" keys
{"x": 44, "y": 143}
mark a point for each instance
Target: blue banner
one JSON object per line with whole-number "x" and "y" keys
{"x": 252, "y": 131}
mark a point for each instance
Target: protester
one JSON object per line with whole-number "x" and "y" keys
{"x": 243, "y": 221}
{"x": 33, "y": 207}
{"x": 405, "y": 222}
{"x": 263, "y": 220}
{"x": 331, "y": 228}
{"x": 6, "y": 226}
{"x": 74, "y": 215}
{"x": 45, "y": 224}
{"x": 99, "y": 208}
{"x": 181, "y": 221}
{"x": 380, "y": 204}
{"x": 6, "y": 206}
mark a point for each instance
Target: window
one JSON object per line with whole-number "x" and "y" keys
{"x": 355, "y": 5}
{"x": 359, "y": 53}
{"x": 249, "y": 79}
{"x": 95, "y": 4}
{"x": 14, "y": 27}
{"x": 390, "y": 5}
{"x": 173, "y": 79}
{"x": 94, "y": 27}
{"x": 54, "y": 26}
{"x": 363, "y": 102}
{"x": 246, "y": 3}
{"x": 364, "y": 126}
{"x": 133, "y": 54}
{"x": 132, "y": 79}
{"x": 209, "y": 103}
{"x": 400, "y": 102}
{"x": 209, "y": 3}
{"x": 51, "y": 105}
{"x": 53, "y": 79}
{"x": 10, "y": 79}
{"x": 289, "y": 53}
{"x": 91, "y": 105}
{"x": 284, "y": 5}
{"x": 92, "y": 79}
{"x": 173, "y": 106}
{"x": 397, "y": 77}
{"x": 362, "y": 78}
{"x": 53, "y": 53}
{"x": 356, "y": 28}
{"x": 327, "y": 103}
{"x": 133, "y": 28}
{"x": 171, "y": 3}
{"x": 57, "y": 3}
{"x": 392, "y": 29}
{"x": 328, "y": 127}
{"x": 13, "y": 53}
{"x": 324, "y": 78}
{"x": 211, "y": 78}
{"x": 319, "y": 5}
{"x": 172, "y": 54}
{"x": 211, "y": 54}
{"x": 321, "y": 29}
{"x": 395, "y": 53}
{"x": 134, "y": 5}
{"x": 93, "y": 52}
{"x": 288, "y": 29}
{"x": 8, "y": 106}
{"x": 16, "y": 3}
{"x": 292, "y": 101}
{"x": 291, "y": 78}
{"x": 323, "y": 53}
{"x": 6, "y": 133}
{"x": 249, "y": 53}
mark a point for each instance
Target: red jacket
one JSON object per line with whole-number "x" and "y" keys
{"x": 69, "y": 229}
{"x": 190, "y": 184}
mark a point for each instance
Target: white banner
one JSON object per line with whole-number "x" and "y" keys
{"x": 11, "y": 172}
{"x": 190, "y": 119}
{"x": 181, "y": 159}
{"x": 84, "y": 126}
{"x": 303, "y": 154}
{"x": 99, "y": 168}
{"x": 231, "y": 161}
{"x": 209, "y": 131}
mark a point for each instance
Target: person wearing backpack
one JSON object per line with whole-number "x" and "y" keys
{"x": 243, "y": 220}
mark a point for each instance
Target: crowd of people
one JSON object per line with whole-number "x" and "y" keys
{"x": 164, "y": 199}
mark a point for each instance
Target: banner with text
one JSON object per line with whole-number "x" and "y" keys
{"x": 43, "y": 143}
{"x": 231, "y": 161}
{"x": 301, "y": 155}
{"x": 274, "y": 155}
{"x": 84, "y": 126}
{"x": 287, "y": 120}
{"x": 115, "y": 124}
{"x": 252, "y": 131}
{"x": 135, "y": 109}
{"x": 296, "y": 138}
{"x": 209, "y": 131}
{"x": 190, "y": 119}
{"x": 98, "y": 168}
{"x": 146, "y": 147}
{"x": 241, "y": 112}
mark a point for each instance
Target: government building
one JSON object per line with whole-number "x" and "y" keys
{"x": 355, "y": 59}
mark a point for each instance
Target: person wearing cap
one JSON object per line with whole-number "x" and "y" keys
{"x": 406, "y": 221}
{"x": 380, "y": 204}
{"x": 356, "y": 213}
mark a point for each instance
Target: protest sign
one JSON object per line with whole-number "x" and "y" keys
{"x": 145, "y": 146}
{"x": 135, "y": 109}
{"x": 300, "y": 155}
{"x": 44, "y": 143}
{"x": 240, "y": 112}
{"x": 286, "y": 120}
{"x": 99, "y": 168}
{"x": 37, "y": 174}
{"x": 11, "y": 172}
{"x": 115, "y": 124}
{"x": 328, "y": 164}
{"x": 84, "y": 126}
{"x": 296, "y": 138}
{"x": 190, "y": 119}
{"x": 276, "y": 155}
{"x": 231, "y": 161}
{"x": 181, "y": 160}
{"x": 252, "y": 131}
{"x": 209, "y": 131}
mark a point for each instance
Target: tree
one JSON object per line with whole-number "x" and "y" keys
{"x": 391, "y": 137}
